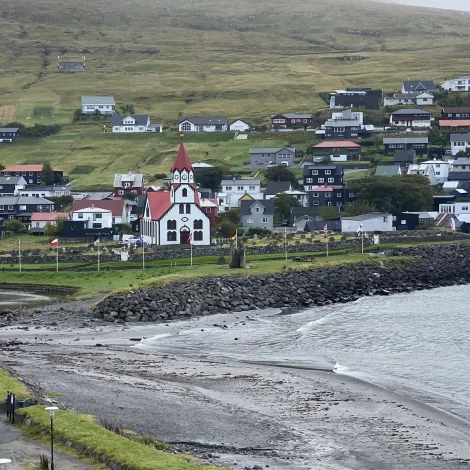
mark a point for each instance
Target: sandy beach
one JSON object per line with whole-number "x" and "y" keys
{"x": 232, "y": 413}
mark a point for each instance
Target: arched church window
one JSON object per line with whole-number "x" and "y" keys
{"x": 171, "y": 236}
{"x": 185, "y": 192}
{"x": 188, "y": 208}
{"x": 181, "y": 208}
{"x": 198, "y": 236}
{"x": 198, "y": 224}
{"x": 171, "y": 225}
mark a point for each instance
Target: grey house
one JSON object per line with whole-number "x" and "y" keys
{"x": 262, "y": 157}
{"x": 21, "y": 207}
{"x": 257, "y": 213}
{"x": 405, "y": 158}
{"x": 10, "y": 185}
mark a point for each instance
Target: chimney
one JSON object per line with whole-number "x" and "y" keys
{"x": 92, "y": 206}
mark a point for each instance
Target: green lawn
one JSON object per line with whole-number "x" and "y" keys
{"x": 9, "y": 384}
{"x": 99, "y": 442}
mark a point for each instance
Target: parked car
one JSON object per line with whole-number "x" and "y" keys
{"x": 391, "y": 128}
{"x": 131, "y": 240}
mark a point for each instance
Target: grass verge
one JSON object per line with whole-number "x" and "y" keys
{"x": 103, "y": 445}
{"x": 10, "y": 384}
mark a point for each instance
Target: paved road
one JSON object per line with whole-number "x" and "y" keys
{"x": 22, "y": 451}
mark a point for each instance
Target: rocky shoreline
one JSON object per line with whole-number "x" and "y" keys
{"x": 432, "y": 266}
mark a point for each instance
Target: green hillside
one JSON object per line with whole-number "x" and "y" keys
{"x": 238, "y": 59}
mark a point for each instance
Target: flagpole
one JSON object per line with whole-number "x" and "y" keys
{"x": 362, "y": 241}
{"x": 191, "y": 242}
{"x": 326, "y": 236}
{"x": 19, "y": 252}
{"x": 285, "y": 241}
{"x": 98, "y": 255}
{"x": 57, "y": 256}
{"x": 143, "y": 254}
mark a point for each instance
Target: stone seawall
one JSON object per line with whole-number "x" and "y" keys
{"x": 432, "y": 266}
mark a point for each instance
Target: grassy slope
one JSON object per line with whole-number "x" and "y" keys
{"x": 9, "y": 384}
{"x": 243, "y": 60}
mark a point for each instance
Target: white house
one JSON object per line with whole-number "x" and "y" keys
{"x": 457, "y": 84}
{"x": 373, "y": 222}
{"x": 419, "y": 99}
{"x": 175, "y": 217}
{"x": 456, "y": 208}
{"x": 236, "y": 188}
{"x": 103, "y": 104}
{"x": 239, "y": 126}
{"x": 12, "y": 185}
{"x": 131, "y": 124}
{"x": 39, "y": 220}
{"x": 46, "y": 191}
{"x": 424, "y": 170}
{"x": 459, "y": 142}
{"x": 411, "y": 118}
{"x": 203, "y": 124}
{"x": 441, "y": 169}
{"x": 94, "y": 217}
{"x": 418, "y": 86}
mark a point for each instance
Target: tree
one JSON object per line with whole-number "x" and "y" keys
{"x": 49, "y": 230}
{"x": 463, "y": 153}
{"x": 326, "y": 160}
{"x": 59, "y": 226}
{"x": 281, "y": 173}
{"x": 394, "y": 193}
{"x": 283, "y": 204}
{"x": 60, "y": 202}
{"x": 232, "y": 215}
{"x": 226, "y": 228}
{"x": 14, "y": 226}
{"x": 358, "y": 208}
{"x": 436, "y": 137}
{"x": 129, "y": 196}
{"x": 228, "y": 222}
{"x": 209, "y": 177}
{"x": 328, "y": 212}
{"x": 47, "y": 174}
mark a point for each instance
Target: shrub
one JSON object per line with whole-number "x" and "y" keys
{"x": 159, "y": 176}
{"x": 82, "y": 170}
{"x": 258, "y": 231}
{"x": 43, "y": 462}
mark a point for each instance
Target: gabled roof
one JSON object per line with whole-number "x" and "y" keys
{"x": 136, "y": 178}
{"x": 25, "y": 168}
{"x": 460, "y": 137}
{"x": 410, "y": 112}
{"x": 115, "y": 206}
{"x": 413, "y": 85}
{"x": 12, "y": 180}
{"x": 461, "y": 109}
{"x": 343, "y": 123}
{"x": 240, "y": 181}
{"x": 454, "y": 123}
{"x": 256, "y": 150}
{"x": 461, "y": 161}
{"x": 48, "y": 216}
{"x": 24, "y": 200}
{"x": 103, "y": 100}
{"x": 408, "y": 140}
{"x": 206, "y": 121}
{"x": 387, "y": 170}
{"x": 371, "y": 215}
{"x": 410, "y": 96}
{"x": 274, "y": 187}
{"x": 239, "y": 120}
{"x": 182, "y": 161}
{"x": 268, "y": 204}
{"x": 336, "y": 144}
{"x": 140, "y": 120}
{"x": 159, "y": 202}
{"x": 9, "y": 129}
{"x": 293, "y": 116}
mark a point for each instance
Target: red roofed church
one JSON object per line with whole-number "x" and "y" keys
{"x": 172, "y": 217}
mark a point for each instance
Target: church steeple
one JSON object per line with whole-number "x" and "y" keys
{"x": 182, "y": 177}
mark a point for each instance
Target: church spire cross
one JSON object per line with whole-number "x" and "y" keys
{"x": 182, "y": 161}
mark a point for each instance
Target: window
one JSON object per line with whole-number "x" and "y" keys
{"x": 331, "y": 180}
{"x": 385, "y": 219}
{"x": 315, "y": 194}
{"x": 351, "y": 195}
{"x": 171, "y": 236}
{"x": 171, "y": 225}
{"x": 257, "y": 209}
{"x": 184, "y": 192}
{"x": 264, "y": 220}
{"x": 403, "y": 222}
{"x": 327, "y": 194}
{"x": 10, "y": 208}
{"x": 80, "y": 215}
{"x": 22, "y": 208}
{"x": 120, "y": 192}
{"x": 181, "y": 208}
{"x": 11, "y": 217}
{"x": 228, "y": 188}
{"x": 23, "y": 173}
{"x": 279, "y": 121}
{"x": 249, "y": 220}
{"x": 465, "y": 208}
{"x": 127, "y": 185}
{"x": 339, "y": 195}
{"x": 197, "y": 224}
{"x": 240, "y": 188}
{"x": 309, "y": 180}
{"x": 186, "y": 126}
{"x": 198, "y": 236}
{"x": 188, "y": 208}
{"x": 314, "y": 172}
{"x": 2, "y": 208}
{"x": 316, "y": 203}
{"x": 30, "y": 181}
{"x": 252, "y": 188}
{"x": 98, "y": 216}
{"x": 321, "y": 180}
{"x": 327, "y": 172}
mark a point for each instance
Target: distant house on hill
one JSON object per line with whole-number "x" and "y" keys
{"x": 461, "y": 112}
{"x": 418, "y": 86}
{"x": 103, "y": 104}
{"x": 126, "y": 124}
{"x": 71, "y": 66}
{"x": 203, "y": 124}
{"x": 239, "y": 126}
{"x": 457, "y": 84}
{"x": 32, "y": 173}
{"x": 8, "y": 134}
{"x": 261, "y": 157}
{"x": 418, "y": 144}
{"x": 354, "y": 98}
{"x": 419, "y": 99}
{"x": 128, "y": 183}
{"x": 411, "y": 118}
{"x": 291, "y": 121}
{"x": 257, "y": 213}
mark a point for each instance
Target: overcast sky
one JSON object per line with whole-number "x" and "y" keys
{"x": 463, "y": 5}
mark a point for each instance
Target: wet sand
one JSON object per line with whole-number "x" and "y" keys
{"x": 232, "y": 413}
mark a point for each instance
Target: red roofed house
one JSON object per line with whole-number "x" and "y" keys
{"x": 32, "y": 173}
{"x": 120, "y": 209}
{"x": 39, "y": 220}
{"x": 337, "y": 151}
{"x": 457, "y": 125}
{"x": 171, "y": 217}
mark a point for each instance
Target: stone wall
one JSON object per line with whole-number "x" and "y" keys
{"x": 432, "y": 266}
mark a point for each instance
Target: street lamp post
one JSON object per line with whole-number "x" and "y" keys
{"x": 51, "y": 410}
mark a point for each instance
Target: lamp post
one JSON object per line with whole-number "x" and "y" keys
{"x": 51, "y": 410}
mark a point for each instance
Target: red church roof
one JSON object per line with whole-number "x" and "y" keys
{"x": 182, "y": 160}
{"x": 159, "y": 202}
